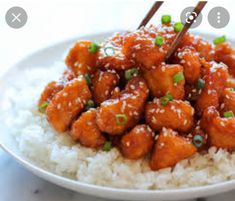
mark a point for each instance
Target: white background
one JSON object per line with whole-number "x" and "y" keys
{"x": 52, "y": 21}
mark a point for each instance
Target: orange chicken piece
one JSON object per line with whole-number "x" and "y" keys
{"x": 138, "y": 142}
{"x": 161, "y": 81}
{"x": 215, "y": 81}
{"x": 49, "y": 92}
{"x": 140, "y": 46}
{"x": 228, "y": 100}
{"x": 86, "y": 131}
{"x": 189, "y": 59}
{"x": 117, "y": 115}
{"x": 111, "y": 55}
{"x": 67, "y": 104}
{"x": 224, "y": 53}
{"x": 202, "y": 46}
{"x": 221, "y": 131}
{"x": 80, "y": 60}
{"x": 169, "y": 149}
{"x": 103, "y": 85}
{"x": 177, "y": 115}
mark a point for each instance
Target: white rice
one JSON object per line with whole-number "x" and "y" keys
{"x": 57, "y": 153}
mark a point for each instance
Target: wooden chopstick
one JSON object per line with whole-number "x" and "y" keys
{"x": 151, "y": 12}
{"x": 177, "y": 40}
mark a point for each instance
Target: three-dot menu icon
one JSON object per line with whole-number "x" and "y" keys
{"x": 218, "y": 17}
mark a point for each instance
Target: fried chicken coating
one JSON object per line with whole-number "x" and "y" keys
{"x": 138, "y": 142}
{"x": 67, "y": 104}
{"x": 86, "y": 132}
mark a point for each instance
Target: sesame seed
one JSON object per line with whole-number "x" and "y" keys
{"x": 154, "y": 120}
{"x": 132, "y": 86}
{"x": 128, "y": 144}
{"x": 222, "y": 106}
{"x": 58, "y": 106}
{"x": 222, "y": 124}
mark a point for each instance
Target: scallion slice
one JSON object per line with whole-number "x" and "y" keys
{"x": 178, "y": 77}
{"x": 121, "y": 119}
{"x": 107, "y": 146}
{"x": 43, "y": 106}
{"x": 93, "y": 48}
{"x": 200, "y": 84}
{"x": 228, "y": 114}
{"x": 178, "y": 26}
{"x": 198, "y": 141}
{"x": 109, "y": 51}
{"x": 131, "y": 73}
{"x": 219, "y": 40}
{"x": 166, "y": 19}
{"x": 159, "y": 40}
{"x": 90, "y": 104}
{"x": 88, "y": 79}
{"x": 166, "y": 99}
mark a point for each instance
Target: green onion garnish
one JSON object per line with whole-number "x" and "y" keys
{"x": 200, "y": 84}
{"x": 109, "y": 51}
{"x": 93, "y": 47}
{"x": 166, "y": 19}
{"x": 178, "y": 77}
{"x": 219, "y": 40}
{"x": 90, "y": 104}
{"x": 233, "y": 89}
{"x": 88, "y": 79}
{"x": 178, "y": 26}
{"x": 107, "y": 146}
{"x": 198, "y": 141}
{"x": 159, "y": 40}
{"x": 43, "y": 106}
{"x": 228, "y": 114}
{"x": 166, "y": 99}
{"x": 131, "y": 73}
{"x": 121, "y": 119}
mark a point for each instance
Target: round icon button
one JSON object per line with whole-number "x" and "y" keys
{"x": 218, "y": 17}
{"x": 16, "y": 17}
{"x": 187, "y": 15}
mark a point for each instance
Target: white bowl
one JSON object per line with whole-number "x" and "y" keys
{"x": 46, "y": 57}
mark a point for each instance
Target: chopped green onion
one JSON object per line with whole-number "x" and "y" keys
{"x": 178, "y": 26}
{"x": 88, "y": 79}
{"x": 228, "y": 114}
{"x": 198, "y": 141}
{"x": 93, "y": 48}
{"x": 166, "y": 99}
{"x": 200, "y": 84}
{"x": 166, "y": 19}
{"x": 43, "y": 106}
{"x": 233, "y": 89}
{"x": 121, "y": 119}
{"x": 107, "y": 146}
{"x": 131, "y": 73}
{"x": 109, "y": 51}
{"x": 219, "y": 40}
{"x": 159, "y": 40}
{"x": 90, "y": 104}
{"x": 178, "y": 77}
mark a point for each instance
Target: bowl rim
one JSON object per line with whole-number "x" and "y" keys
{"x": 104, "y": 191}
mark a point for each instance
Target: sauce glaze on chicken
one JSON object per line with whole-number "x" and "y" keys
{"x": 122, "y": 93}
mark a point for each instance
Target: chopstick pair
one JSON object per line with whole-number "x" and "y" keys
{"x": 155, "y": 8}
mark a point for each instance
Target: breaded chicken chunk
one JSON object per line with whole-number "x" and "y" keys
{"x": 67, "y": 104}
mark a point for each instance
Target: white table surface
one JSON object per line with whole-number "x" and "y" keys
{"x": 52, "y": 21}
